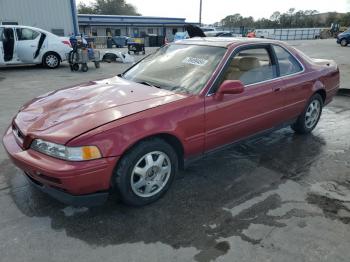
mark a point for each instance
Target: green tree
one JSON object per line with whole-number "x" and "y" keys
{"x": 345, "y": 20}
{"x": 108, "y": 7}
{"x": 85, "y": 9}
{"x": 289, "y": 19}
{"x": 275, "y": 16}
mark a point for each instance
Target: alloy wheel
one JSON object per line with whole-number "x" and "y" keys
{"x": 150, "y": 174}
{"x": 312, "y": 114}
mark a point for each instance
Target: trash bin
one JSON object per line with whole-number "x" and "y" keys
{"x": 109, "y": 43}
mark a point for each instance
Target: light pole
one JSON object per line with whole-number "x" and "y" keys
{"x": 200, "y": 12}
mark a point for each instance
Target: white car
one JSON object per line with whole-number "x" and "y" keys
{"x": 30, "y": 45}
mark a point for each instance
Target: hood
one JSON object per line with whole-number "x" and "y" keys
{"x": 343, "y": 34}
{"x": 64, "y": 114}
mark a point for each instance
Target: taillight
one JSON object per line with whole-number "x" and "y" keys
{"x": 66, "y": 42}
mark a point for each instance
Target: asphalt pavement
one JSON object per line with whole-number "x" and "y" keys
{"x": 280, "y": 197}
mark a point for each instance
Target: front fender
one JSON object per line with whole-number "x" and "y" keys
{"x": 183, "y": 119}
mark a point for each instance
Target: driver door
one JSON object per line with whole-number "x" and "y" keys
{"x": 27, "y": 44}
{"x": 232, "y": 117}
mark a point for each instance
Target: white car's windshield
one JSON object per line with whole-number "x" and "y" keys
{"x": 176, "y": 67}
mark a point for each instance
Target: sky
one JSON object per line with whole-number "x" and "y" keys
{"x": 215, "y": 10}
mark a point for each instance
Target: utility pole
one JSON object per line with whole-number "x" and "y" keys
{"x": 200, "y": 12}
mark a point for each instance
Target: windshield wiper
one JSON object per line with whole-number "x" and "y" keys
{"x": 147, "y": 84}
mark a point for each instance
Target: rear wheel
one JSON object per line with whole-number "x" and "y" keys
{"x": 344, "y": 42}
{"x": 308, "y": 120}
{"x": 51, "y": 60}
{"x": 146, "y": 172}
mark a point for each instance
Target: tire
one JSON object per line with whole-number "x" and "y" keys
{"x": 109, "y": 57}
{"x": 75, "y": 67}
{"x": 84, "y": 67}
{"x": 344, "y": 42}
{"x": 149, "y": 183}
{"x": 51, "y": 60}
{"x": 308, "y": 120}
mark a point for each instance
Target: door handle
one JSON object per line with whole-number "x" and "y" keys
{"x": 33, "y": 46}
{"x": 277, "y": 89}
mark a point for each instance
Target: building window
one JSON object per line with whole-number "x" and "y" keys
{"x": 108, "y": 32}
{"x": 150, "y": 30}
{"x": 117, "y": 32}
{"x": 59, "y": 32}
{"x": 9, "y": 23}
{"x": 94, "y": 31}
{"x": 135, "y": 32}
{"x": 174, "y": 31}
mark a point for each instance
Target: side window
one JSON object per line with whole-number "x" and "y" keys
{"x": 251, "y": 66}
{"x": 26, "y": 34}
{"x": 287, "y": 63}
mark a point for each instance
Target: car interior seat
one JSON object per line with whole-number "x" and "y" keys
{"x": 241, "y": 66}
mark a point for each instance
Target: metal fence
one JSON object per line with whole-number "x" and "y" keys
{"x": 279, "y": 33}
{"x": 297, "y": 33}
{"x": 100, "y": 41}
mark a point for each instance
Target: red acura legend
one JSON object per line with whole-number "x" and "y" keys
{"x": 131, "y": 133}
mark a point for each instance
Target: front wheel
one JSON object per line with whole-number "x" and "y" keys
{"x": 343, "y": 42}
{"x": 146, "y": 172}
{"x": 51, "y": 60}
{"x": 308, "y": 120}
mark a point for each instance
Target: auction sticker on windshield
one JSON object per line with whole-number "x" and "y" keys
{"x": 195, "y": 61}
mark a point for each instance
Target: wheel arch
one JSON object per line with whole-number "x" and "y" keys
{"x": 322, "y": 93}
{"x": 50, "y": 52}
{"x": 171, "y": 139}
{"x": 319, "y": 88}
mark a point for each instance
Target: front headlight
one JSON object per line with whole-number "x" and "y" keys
{"x": 65, "y": 152}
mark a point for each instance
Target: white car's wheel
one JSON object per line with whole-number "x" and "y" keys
{"x": 51, "y": 60}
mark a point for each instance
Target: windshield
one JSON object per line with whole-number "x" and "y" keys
{"x": 179, "y": 68}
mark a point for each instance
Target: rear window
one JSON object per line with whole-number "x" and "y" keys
{"x": 287, "y": 63}
{"x": 26, "y": 34}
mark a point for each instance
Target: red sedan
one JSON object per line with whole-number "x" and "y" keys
{"x": 132, "y": 132}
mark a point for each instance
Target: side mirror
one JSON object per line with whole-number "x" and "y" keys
{"x": 231, "y": 87}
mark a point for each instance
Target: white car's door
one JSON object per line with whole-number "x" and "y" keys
{"x": 27, "y": 44}
{"x": 1, "y": 47}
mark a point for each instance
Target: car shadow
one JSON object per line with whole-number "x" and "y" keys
{"x": 192, "y": 213}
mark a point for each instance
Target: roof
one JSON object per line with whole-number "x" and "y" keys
{"x": 91, "y": 19}
{"x": 224, "y": 41}
{"x": 130, "y": 16}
